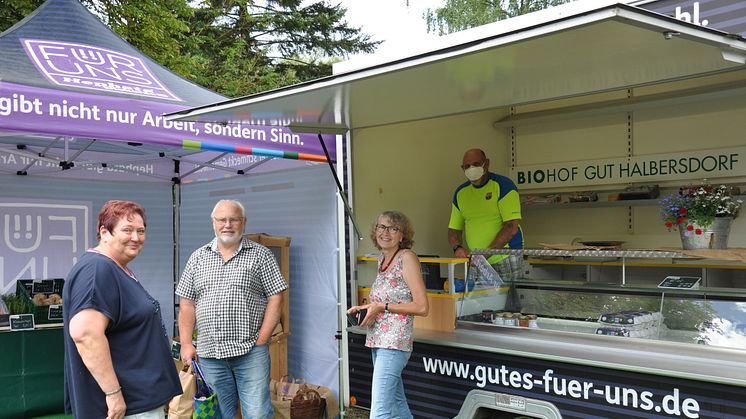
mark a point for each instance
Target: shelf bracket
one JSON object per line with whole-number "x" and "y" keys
{"x": 512, "y": 140}
{"x": 630, "y": 220}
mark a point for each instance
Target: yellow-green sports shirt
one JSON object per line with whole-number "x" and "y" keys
{"x": 483, "y": 210}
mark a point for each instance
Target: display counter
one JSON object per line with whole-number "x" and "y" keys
{"x": 31, "y": 371}
{"x": 579, "y": 375}
{"x": 597, "y": 334}
{"x": 450, "y": 300}
{"x": 627, "y": 294}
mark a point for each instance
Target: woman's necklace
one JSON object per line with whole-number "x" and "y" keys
{"x": 385, "y": 265}
{"x": 123, "y": 268}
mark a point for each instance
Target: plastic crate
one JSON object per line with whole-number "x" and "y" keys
{"x": 30, "y": 287}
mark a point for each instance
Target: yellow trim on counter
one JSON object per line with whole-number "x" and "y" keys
{"x": 457, "y": 295}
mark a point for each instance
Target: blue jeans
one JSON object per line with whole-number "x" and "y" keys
{"x": 387, "y": 398}
{"x": 244, "y": 377}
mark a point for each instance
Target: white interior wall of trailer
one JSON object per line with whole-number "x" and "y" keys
{"x": 414, "y": 168}
{"x": 301, "y": 204}
{"x": 416, "y": 165}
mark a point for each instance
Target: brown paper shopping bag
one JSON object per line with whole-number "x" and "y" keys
{"x": 182, "y": 406}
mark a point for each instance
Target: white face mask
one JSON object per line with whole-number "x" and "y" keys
{"x": 474, "y": 173}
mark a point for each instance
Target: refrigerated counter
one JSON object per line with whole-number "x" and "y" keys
{"x": 605, "y": 345}
{"x": 449, "y": 296}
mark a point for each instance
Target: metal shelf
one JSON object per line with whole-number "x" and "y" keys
{"x": 586, "y": 253}
{"x": 592, "y": 204}
{"x": 599, "y": 204}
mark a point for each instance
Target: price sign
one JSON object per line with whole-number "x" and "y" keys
{"x": 176, "y": 350}
{"x": 21, "y": 322}
{"x": 55, "y": 312}
{"x": 680, "y": 282}
{"x": 45, "y": 286}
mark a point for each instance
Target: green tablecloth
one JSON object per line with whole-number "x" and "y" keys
{"x": 31, "y": 375}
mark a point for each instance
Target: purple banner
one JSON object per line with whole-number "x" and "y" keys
{"x": 60, "y": 113}
{"x": 40, "y": 239}
{"x": 89, "y": 67}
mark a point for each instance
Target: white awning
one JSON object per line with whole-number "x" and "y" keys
{"x": 604, "y": 49}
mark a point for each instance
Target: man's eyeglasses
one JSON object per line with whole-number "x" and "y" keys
{"x": 223, "y": 221}
{"x": 391, "y": 229}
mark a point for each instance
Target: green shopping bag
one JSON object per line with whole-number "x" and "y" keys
{"x": 206, "y": 407}
{"x": 205, "y": 399}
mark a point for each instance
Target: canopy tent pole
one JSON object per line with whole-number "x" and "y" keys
{"x": 42, "y": 153}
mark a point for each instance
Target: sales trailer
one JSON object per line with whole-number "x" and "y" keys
{"x": 586, "y": 81}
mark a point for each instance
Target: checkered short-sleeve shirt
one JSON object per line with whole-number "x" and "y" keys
{"x": 230, "y": 296}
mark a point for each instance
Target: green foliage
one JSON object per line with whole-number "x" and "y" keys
{"x": 248, "y": 47}
{"x": 17, "y": 304}
{"x": 12, "y": 11}
{"x": 457, "y": 15}
{"x": 696, "y": 207}
{"x": 234, "y": 47}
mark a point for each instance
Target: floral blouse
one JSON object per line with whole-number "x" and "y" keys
{"x": 391, "y": 330}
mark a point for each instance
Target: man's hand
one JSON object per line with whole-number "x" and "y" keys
{"x": 461, "y": 253}
{"x": 117, "y": 407}
{"x": 188, "y": 352}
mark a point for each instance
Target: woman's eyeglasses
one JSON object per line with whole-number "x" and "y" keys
{"x": 391, "y": 229}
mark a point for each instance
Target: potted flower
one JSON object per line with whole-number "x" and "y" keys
{"x": 702, "y": 215}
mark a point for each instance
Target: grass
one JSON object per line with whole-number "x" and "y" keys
{"x": 357, "y": 413}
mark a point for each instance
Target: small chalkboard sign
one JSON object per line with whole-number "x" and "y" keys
{"x": 681, "y": 282}
{"x": 45, "y": 286}
{"x": 21, "y": 322}
{"x": 55, "y": 312}
{"x": 176, "y": 350}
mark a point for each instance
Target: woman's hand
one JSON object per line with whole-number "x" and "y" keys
{"x": 116, "y": 406}
{"x": 371, "y": 311}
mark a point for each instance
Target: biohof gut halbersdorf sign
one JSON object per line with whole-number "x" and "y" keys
{"x": 701, "y": 164}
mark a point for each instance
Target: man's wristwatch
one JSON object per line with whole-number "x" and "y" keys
{"x": 456, "y": 247}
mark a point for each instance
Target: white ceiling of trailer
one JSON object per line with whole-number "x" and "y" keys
{"x": 600, "y": 50}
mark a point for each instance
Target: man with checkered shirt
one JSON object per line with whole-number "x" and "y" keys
{"x": 232, "y": 288}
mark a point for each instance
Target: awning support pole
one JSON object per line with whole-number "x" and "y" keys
{"x": 342, "y": 194}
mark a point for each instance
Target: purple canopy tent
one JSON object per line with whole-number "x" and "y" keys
{"x": 79, "y": 106}
{"x": 76, "y": 98}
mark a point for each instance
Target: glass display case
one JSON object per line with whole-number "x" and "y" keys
{"x": 450, "y": 297}
{"x": 655, "y": 295}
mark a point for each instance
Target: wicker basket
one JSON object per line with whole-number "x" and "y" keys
{"x": 307, "y": 404}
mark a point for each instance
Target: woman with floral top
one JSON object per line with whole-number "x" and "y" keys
{"x": 397, "y": 295}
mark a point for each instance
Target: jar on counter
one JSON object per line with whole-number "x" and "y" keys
{"x": 510, "y": 320}
{"x": 488, "y": 316}
{"x": 523, "y": 321}
{"x": 499, "y": 319}
{"x": 533, "y": 321}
